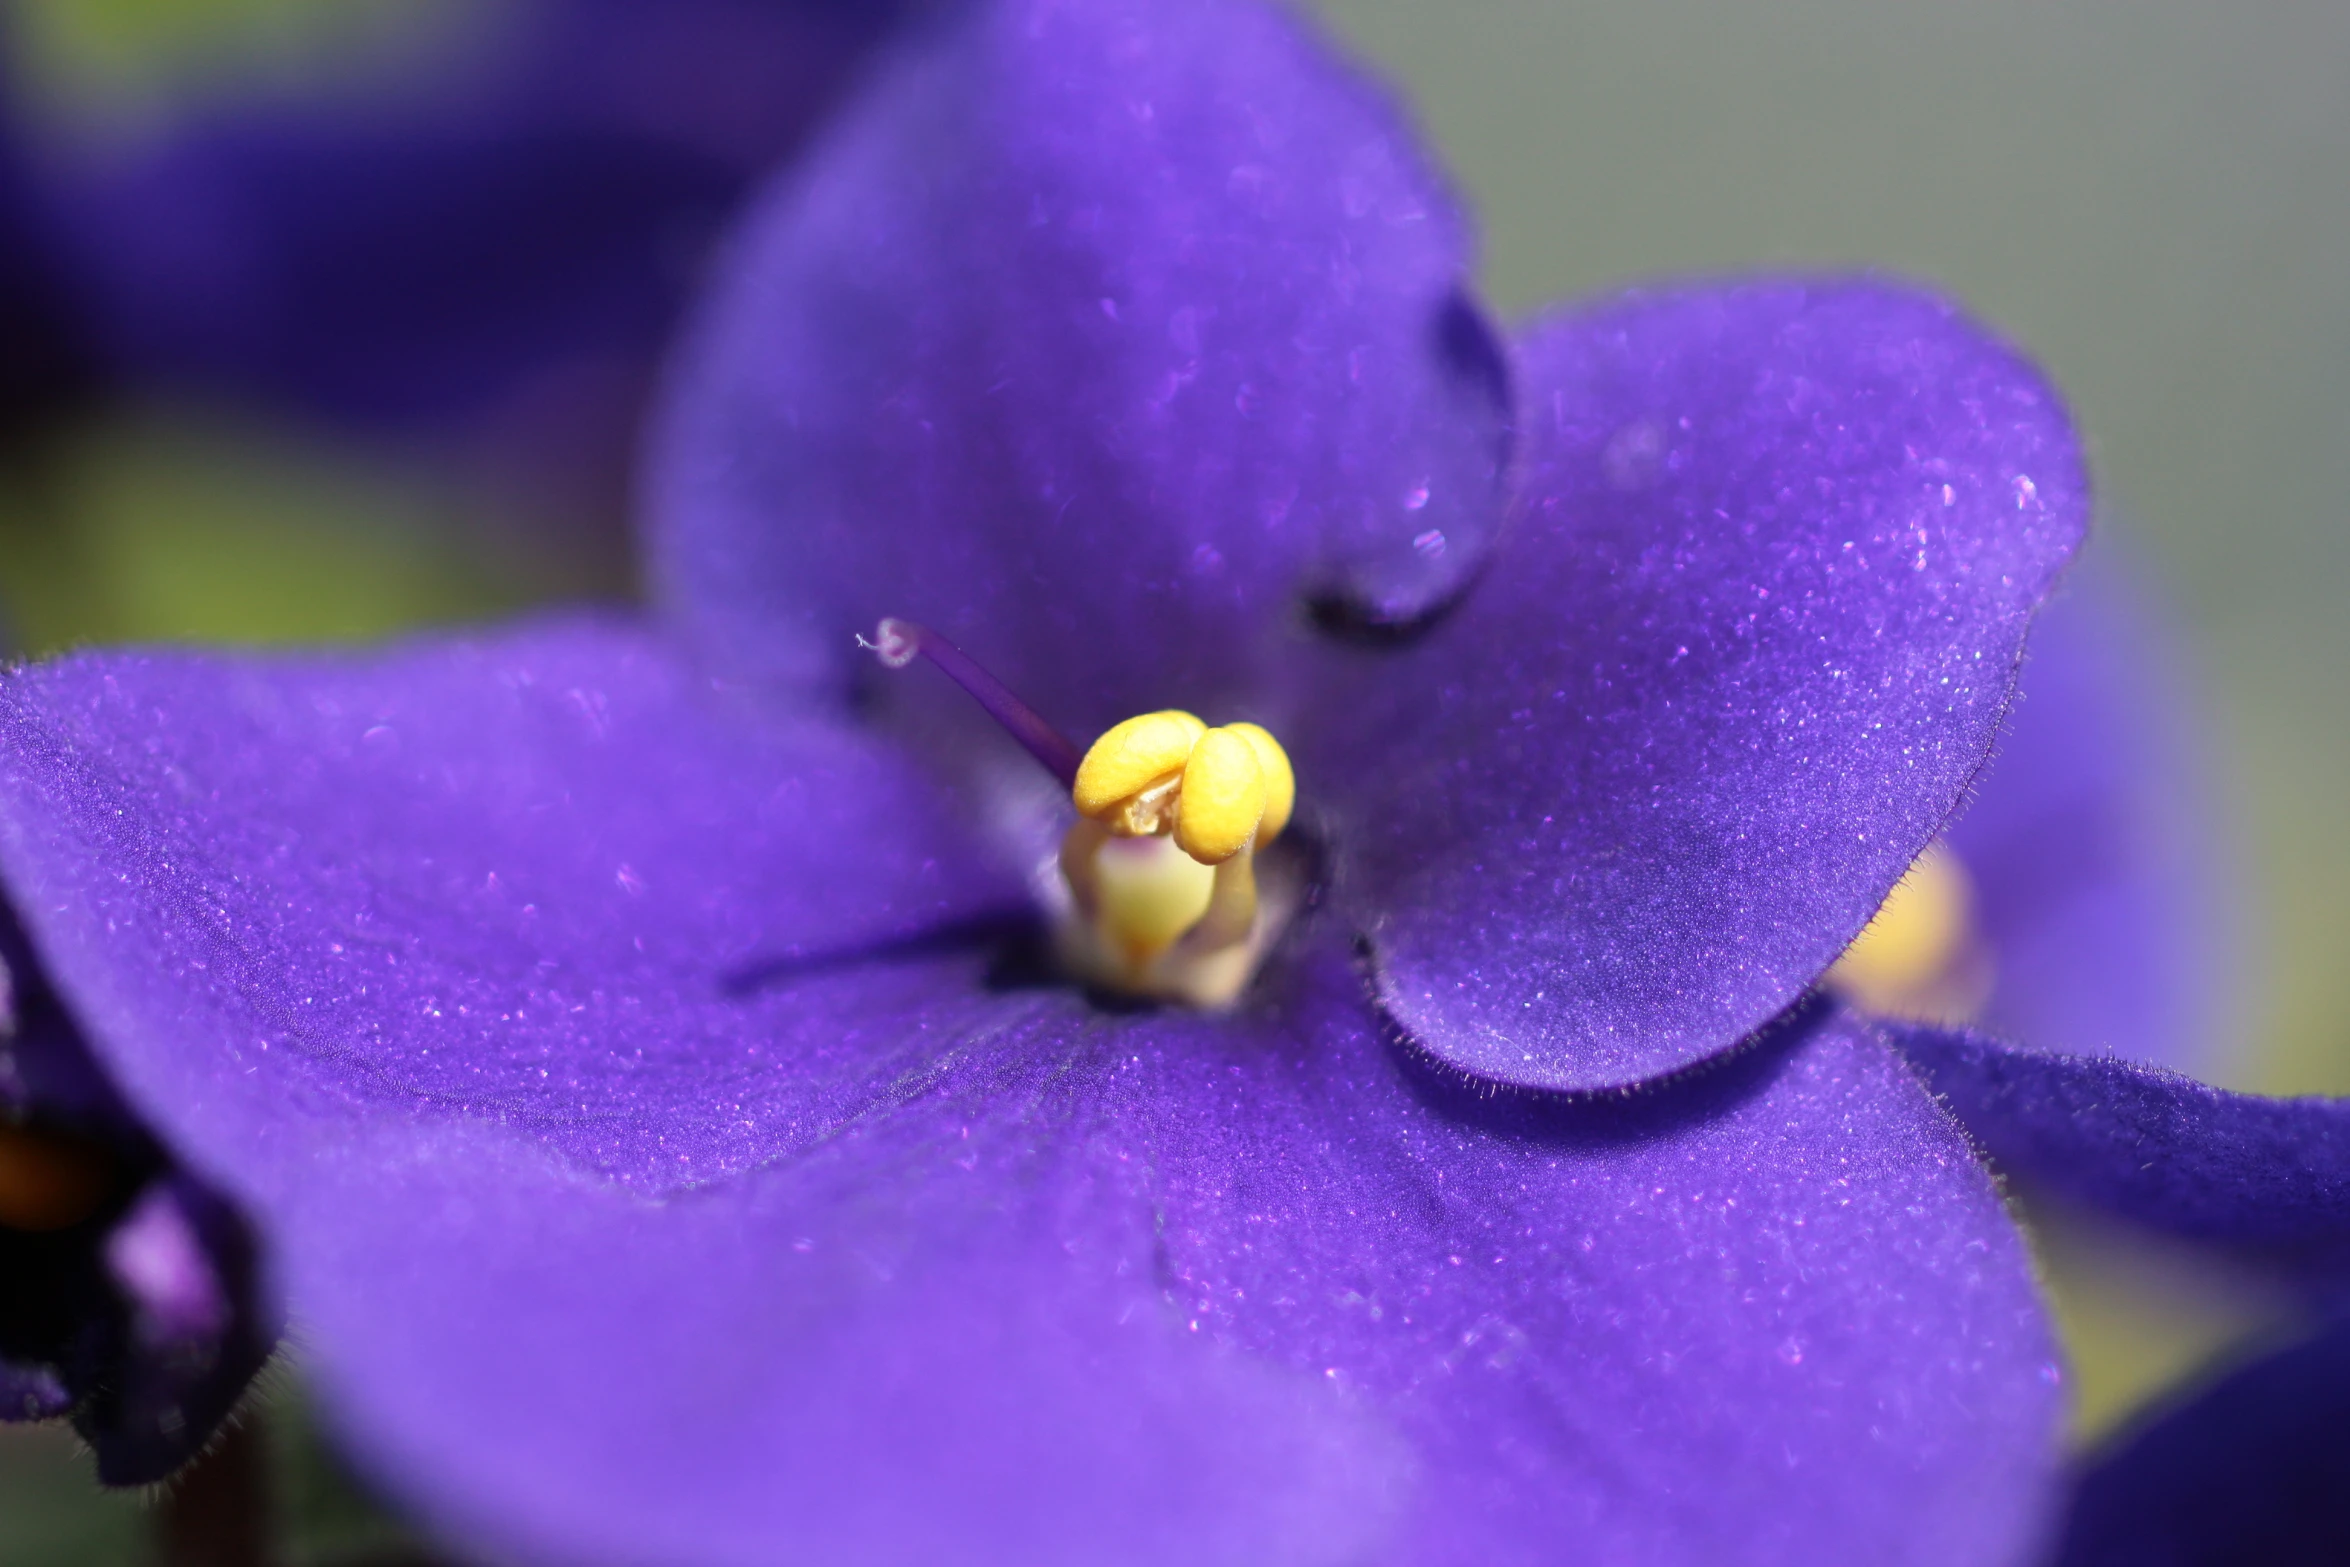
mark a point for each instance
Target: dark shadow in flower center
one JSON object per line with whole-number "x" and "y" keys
{"x": 1008, "y": 930}
{"x": 1342, "y": 618}
{"x": 1017, "y": 941}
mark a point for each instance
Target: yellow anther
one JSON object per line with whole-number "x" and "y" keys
{"x": 1132, "y": 757}
{"x": 1223, "y": 798}
{"x": 1917, "y": 958}
{"x": 1160, "y": 864}
{"x": 1280, "y": 781}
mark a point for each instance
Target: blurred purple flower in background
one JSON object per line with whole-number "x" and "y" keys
{"x": 2092, "y": 842}
{"x": 634, "y": 1043}
{"x": 2081, "y": 898}
{"x": 477, "y": 254}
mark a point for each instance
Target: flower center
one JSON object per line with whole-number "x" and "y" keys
{"x": 1920, "y": 957}
{"x": 1160, "y": 866}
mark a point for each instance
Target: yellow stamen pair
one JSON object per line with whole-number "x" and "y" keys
{"x": 1217, "y": 789}
{"x": 1161, "y": 862}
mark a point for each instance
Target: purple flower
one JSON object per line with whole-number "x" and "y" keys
{"x": 480, "y": 251}
{"x": 638, "y": 1045}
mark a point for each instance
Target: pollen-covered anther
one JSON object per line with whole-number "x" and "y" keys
{"x": 1217, "y": 790}
{"x": 1161, "y": 863}
{"x": 1128, "y": 778}
{"x": 1222, "y": 799}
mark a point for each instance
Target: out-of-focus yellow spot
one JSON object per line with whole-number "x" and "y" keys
{"x": 1919, "y": 958}
{"x": 126, "y": 56}
{"x": 49, "y": 1180}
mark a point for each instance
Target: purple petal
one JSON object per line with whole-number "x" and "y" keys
{"x": 2267, "y": 1175}
{"x": 186, "y": 1331}
{"x": 1096, "y": 337}
{"x": 2093, "y": 842}
{"x": 2255, "y": 1468}
{"x": 1173, "y": 1290}
{"x": 609, "y": 1255}
{"x": 534, "y": 798}
{"x": 562, "y": 812}
{"x": 1748, "y": 639}
{"x": 156, "y": 1258}
{"x": 45, "y": 1065}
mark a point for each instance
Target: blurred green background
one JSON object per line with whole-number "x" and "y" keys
{"x": 2152, "y": 195}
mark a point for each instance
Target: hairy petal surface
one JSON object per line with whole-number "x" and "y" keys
{"x": 2268, "y": 1175}
{"x": 1747, "y": 639}
{"x": 2093, "y": 844}
{"x": 2254, "y": 1468}
{"x": 1180, "y": 1290}
{"x": 461, "y": 873}
{"x": 1097, "y": 336}
{"x": 612, "y": 1255}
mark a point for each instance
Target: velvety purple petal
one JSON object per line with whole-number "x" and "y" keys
{"x": 2093, "y": 842}
{"x": 2255, "y": 1468}
{"x": 562, "y": 809}
{"x": 2270, "y": 1176}
{"x": 878, "y": 1252}
{"x": 540, "y": 792}
{"x": 1177, "y": 1290}
{"x": 1745, "y": 643}
{"x": 1098, "y": 337}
